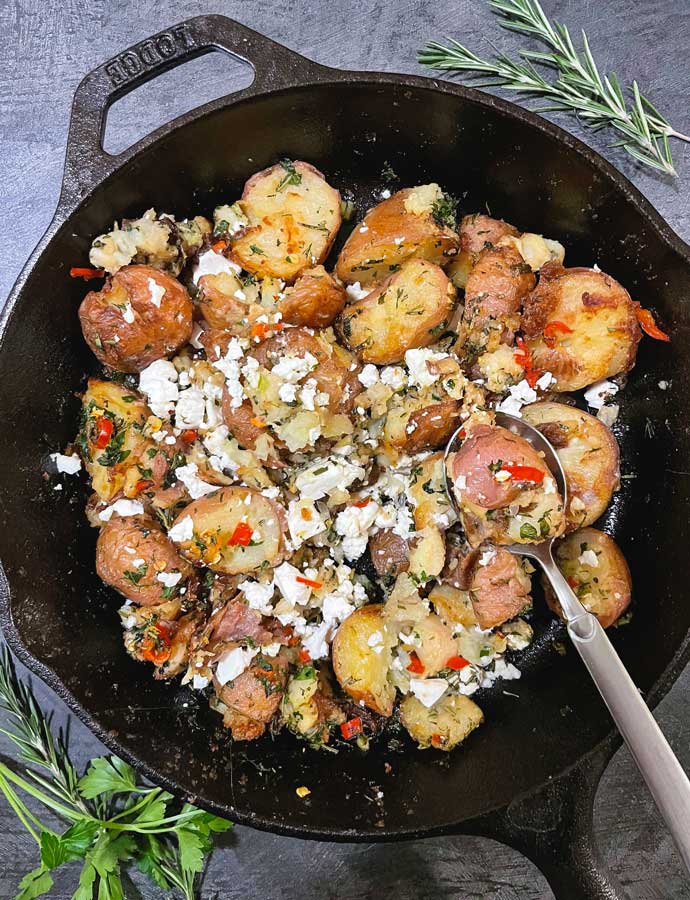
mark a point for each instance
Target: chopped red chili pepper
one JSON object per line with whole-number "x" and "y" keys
{"x": 309, "y": 582}
{"x": 551, "y": 329}
{"x": 219, "y": 246}
{"x": 524, "y": 358}
{"x": 242, "y": 535}
{"x": 649, "y": 326}
{"x": 155, "y": 647}
{"x": 360, "y": 504}
{"x": 189, "y": 436}
{"x": 571, "y": 581}
{"x": 456, "y": 662}
{"x": 142, "y": 484}
{"x": 415, "y": 665}
{"x": 260, "y": 330}
{"x": 86, "y": 273}
{"x": 304, "y": 655}
{"x": 525, "y": 473}
{"x": 105, "y": 428}
{"x": 437, "y": 740}
{"x": 351, "y": 728}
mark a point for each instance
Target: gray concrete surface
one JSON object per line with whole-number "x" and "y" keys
{"x": 47, "y": 45}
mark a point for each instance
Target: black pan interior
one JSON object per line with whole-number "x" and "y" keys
{"x": 66, "y": 618}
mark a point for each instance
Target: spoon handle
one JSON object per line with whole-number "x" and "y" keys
{"x": 666, "y": 780}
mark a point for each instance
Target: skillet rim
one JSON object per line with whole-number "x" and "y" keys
{"x": 316, "y": 75}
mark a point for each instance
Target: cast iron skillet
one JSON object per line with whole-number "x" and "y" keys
{"x": 528, "y": 776}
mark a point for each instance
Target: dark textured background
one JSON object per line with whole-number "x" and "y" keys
{"x": 46, "y": 46}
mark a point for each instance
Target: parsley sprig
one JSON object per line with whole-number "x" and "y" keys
{"x": 112, "y": 820}
{"x": 597, "y": 99}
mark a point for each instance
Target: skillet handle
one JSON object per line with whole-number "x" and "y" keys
{"x": 553, "y": 828}
{"x": 87, "y": 163}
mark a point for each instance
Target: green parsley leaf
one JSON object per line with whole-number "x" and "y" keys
{"x": 107, "y": 776}
{"x": 34, "y": 884}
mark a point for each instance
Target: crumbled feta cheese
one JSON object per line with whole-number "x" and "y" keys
{"x": 316, "y": 640}
{"x": 123, "y": 508}
{"x": 197, "y": 331}
{"x": 182, "y": 531}
{"x": 169, "y": 579}
{"x": 549, "y": 486}
{"x": 417, "y": 361}
{"x": 128, "y": 313}
{"x": 258, "y": 596}
{"x": 295, "y": 592}
{"x": 158, "y": 383}
{"x": 428, "y": 690}
{"x": 460, "y": 482}
{"x": 385, "y": 194}
{"x": 196, "y": 486}
{"x": 190, "y": 409}
{"x": 609, "y": 414}
{"x": 294, "y": 368}
{"x": 502, "y": 475}
{"x": 323, "y": 476}
{"x": 598, "y": 393}
{"x": 663, "y": 385}
{"x": 230, "y": 367}
{"x": 199, "y": 682}
{"x": 156, "y": 292}
{"x": 234, "y": 662}
{"x": 353, "y": 524}
{"x": 394, "y": 376}
{"x": 288, "y": 392}
{"x": 304, "y": 521}
{"x": 588, "y": 558}
{"x": 68, "y": 465}
{"x": 519, "y": 395}
{"x": 212, "y": 263}
{"x": 336, "y": 607}
{"x": 369, "y": 375}
{"x": 404, "y": 525}
{"x": 307, "y": 396}
{"x": 487, "y": 556}
{"x": 545, "y": 381}
{"x": 375, "y": 640}
{"x": 356, "y": 292}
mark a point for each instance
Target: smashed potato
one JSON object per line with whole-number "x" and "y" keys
{"x": 361, "y": 671}
{"x": 442, "y": 726}
{"x": 232, "y": 530}
{"x": 140, "y": 315}
{"x": 596, "y": 570}
{"x": 588, "y": 452}
{"x": 294, "y": 216}
{"x": 315, "y": 300}
{"x": 409, "y": 309}
{"x": 580, "y": 325}
{"x": 395, "y": 230}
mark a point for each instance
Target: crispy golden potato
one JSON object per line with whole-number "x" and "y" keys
{"x": 486, "y": 490}
{"x": 294, "y": 216}
{"x": 497, "y": 285}
{"x": 581, "y": 326}
{"x": 223, "y": 303}
{"x": 235, "y": 530}
{"x": 110, "y": 438}
{"x": 390, "y": 553}
{"x": 427, "y": 553}
{"x": 535, "y": 249}
{"x": 315, "y": 300}
{"x": 393, "y": 231}
{"x": 361, "y": 672}
{"x": 443, "y": 725}
{"x": 435, "y": 645}
{"x": 603, "y": 589}
{"x": 132, "y": 552}
{"x": 412, "y": 425}
{"x": 428, "y": 493}
{"x": 588, "y": 452}
{"x": 453, "y": 605}
{"x": 141, "y": 314}
{"x": 410, "y": 309}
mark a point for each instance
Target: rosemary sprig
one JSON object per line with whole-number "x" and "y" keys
{"x": 596, "y": 99}
{"x": 112, "y": 819}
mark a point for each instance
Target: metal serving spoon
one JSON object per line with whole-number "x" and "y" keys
{"x": 666, "y": 780}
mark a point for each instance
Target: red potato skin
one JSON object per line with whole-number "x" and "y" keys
{"x": 488, "y": 445}
{"x": 498, "y": 590}
{"x": 141, "y": 534}
{"x": 432, "y": 426}
{"x": 315, "y": 300}
{"x": 156, "y": 332}
{"x": 479, "y": 232}
{"x": 390, "y": 553}
{"x": 249, "y": 707}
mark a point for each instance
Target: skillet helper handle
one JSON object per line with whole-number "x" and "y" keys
{"x": 87, "y": 163}
{"x": 666, "y": 780}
